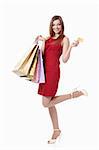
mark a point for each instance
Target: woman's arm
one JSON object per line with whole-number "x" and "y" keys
{"x": 67, "y": 48}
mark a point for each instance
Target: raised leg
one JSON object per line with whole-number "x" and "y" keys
{"x": 58, "y": 99}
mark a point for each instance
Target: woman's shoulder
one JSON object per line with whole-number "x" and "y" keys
{"x": 47, "y": 37}
{"x": 65, "y": 40}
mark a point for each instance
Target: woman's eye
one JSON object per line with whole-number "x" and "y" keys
{"x": 56, "y": 24}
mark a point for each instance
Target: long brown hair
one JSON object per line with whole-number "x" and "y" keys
{"x": 51, "y": 25}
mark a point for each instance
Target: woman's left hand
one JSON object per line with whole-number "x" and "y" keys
{"x": 75, "y": 43}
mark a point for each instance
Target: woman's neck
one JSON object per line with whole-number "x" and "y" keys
{"x": 56, "y": 36}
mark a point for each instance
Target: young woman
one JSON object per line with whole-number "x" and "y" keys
{"x": 53, "y": 47}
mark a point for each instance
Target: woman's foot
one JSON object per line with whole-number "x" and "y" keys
{"x": 78, "y": 93}
{"x": 55, "y": 136}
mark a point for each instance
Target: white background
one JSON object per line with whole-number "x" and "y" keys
{"x": 24, "y": 123}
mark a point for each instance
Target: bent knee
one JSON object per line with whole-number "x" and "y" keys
{"x": 45, "y": 101}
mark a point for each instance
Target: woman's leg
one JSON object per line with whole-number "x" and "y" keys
{"x": 54, "y": 117}
{"x": 57, "y": 99}
{"x": 50, "y": 102}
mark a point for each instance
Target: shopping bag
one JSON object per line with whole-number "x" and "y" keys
{"x": 37, "y": 71}
{"x": 39, "y": 76}
{"x": 26, "y": 66}
{"x": 32, "y": 68}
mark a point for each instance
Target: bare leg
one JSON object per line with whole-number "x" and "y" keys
{"x": 50, "y": 102}
{"x": 54, "y": 119}
{"x": 57, "y": 99}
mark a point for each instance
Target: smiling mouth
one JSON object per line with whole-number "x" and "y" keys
{"x": 56, "y": 30}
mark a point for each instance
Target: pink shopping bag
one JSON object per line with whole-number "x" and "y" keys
{"x": 39, "y": 76}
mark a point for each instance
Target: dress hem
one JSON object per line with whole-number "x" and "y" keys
{"x": 46, "y": 95}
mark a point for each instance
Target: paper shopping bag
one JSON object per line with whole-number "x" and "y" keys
{"x": 39, "y": 76}
{"x": 26, "y": 66}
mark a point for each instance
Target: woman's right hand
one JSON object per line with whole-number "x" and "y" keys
{"x": 40, "y": 38}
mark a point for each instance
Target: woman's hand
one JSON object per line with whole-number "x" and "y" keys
{"x": 40, "y": 38}
{"x": 74, "y": 44}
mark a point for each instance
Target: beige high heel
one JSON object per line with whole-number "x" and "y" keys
{"x": 84, "y": 92}
{"x": 52, "y": 141}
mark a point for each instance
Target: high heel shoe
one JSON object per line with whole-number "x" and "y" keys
{"x": 82, "y": 91}
{"x": 53, "y": 140}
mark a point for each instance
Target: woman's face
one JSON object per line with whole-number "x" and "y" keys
{"x": 56, "y": 26}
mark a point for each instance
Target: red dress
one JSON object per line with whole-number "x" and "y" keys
{"x": 52, "y": 53}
